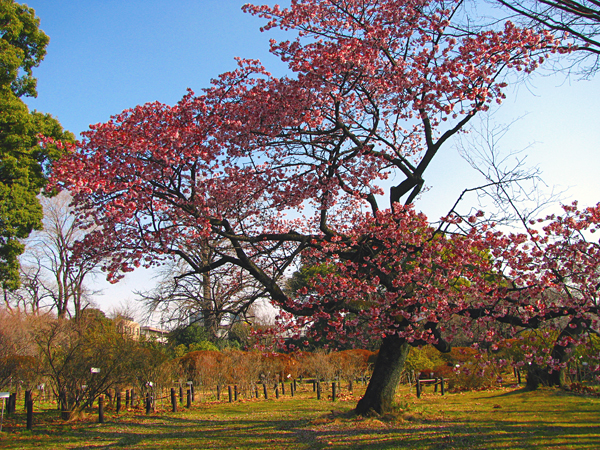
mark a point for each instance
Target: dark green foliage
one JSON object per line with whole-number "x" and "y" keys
{"x": 24, "y": 164}
{"x": 187, "y": 335}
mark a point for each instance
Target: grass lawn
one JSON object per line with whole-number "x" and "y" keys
{"x": 499, "y": 419}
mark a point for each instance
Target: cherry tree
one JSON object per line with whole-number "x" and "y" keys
{"x": 270, "y": 170}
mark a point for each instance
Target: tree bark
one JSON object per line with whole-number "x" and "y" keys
{"x": 380, "y": 392}
{"x": 537, "y": 376}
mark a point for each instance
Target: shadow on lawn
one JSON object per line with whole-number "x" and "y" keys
{"x": 331, "y": 432}
{"x": 515, "y": 424}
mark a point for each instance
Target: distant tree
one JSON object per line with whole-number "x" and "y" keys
{"x": 23, "y": 162}
{"x": 57, "y": 252}
{"x": 18, "y": 362}
{"x": 70, "y": 349}
{"x": 206, "y": 299}
{"x": 188, "y": 335}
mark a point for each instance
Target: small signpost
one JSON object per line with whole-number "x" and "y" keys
{"x": 3, "y": 396}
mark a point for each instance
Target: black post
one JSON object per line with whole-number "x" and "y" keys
{"x": 435, "y": 385}
{"x": 12, "y": 403}
{"x": 29, "y": 407}
{"x": 27, "y": 398}
{"x": 351, "y": 385}
{"x": 318, "y": 390}
{"x": 118, "y": 401}
{"x": 418, "y": 388}
{"x": 442, "y": 385}
{"x": 277, "y": 391}
{"x": 230, "y": 390}
{"x": 148, "y": 403}
{"x": 132, "y": 398}
{"x": 519, "y": 376}
{"x": 126, "y": 398}
{"x": 218, "y": 392}
{"x": 235, "y": 393}
{"x": 292, "y": 388}
{"x": 283, "y": 388}
{"x": 65, "y": 414}
{"x": 180, "y": 393}
{"x": 189, "y": 398}
{"x": 256, "y": 391}
{"x": 173, "y": 399}
{"x": 265, "y": 391}
{"x": 101, "y": 409}
{"x": 192, "y": 391}
{"x": 333, "y": 389}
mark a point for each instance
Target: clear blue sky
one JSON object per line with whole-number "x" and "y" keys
{"x": 108, "y": 55}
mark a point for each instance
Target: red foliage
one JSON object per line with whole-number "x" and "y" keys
{"x": 377, "y": 88}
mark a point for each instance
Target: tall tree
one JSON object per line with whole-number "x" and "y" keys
{"x": 379, "y": 87}
{"x": 23, "y": 162}
{"x": 208, "y": 300}
{"x": 58, "y": 250}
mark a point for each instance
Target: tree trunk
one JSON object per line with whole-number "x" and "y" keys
{"x": 537, "y": 376}
{"x": 386, "y": 374}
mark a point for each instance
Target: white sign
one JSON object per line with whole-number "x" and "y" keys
{"x": 4, "y": 394}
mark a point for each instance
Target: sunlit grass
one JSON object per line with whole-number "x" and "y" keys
{"x": 504, "y": 419}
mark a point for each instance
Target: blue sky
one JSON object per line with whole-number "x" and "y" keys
{"x": 108, "y": 55}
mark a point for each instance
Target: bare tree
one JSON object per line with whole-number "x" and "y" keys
{"x": 58, "y": 264}
{"x": 212, "y": 299}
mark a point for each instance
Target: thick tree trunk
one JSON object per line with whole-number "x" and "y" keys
{"x": 537, "y": 376}
{"x": 386, "y": 374}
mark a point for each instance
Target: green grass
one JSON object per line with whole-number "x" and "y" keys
{"x": 501, "y": 419}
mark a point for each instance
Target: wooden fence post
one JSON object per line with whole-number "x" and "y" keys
{"x": 442, "y": 385}
{"x": 173, "y": 400}
{"x": 180, "y": 393}
{"x": 101, "y": 409}
{"x": 418, "y": 388}
{"x": 318, "y": 390}
{"x": 235, "y": 393}
{"x": 218, "y": 392}
{"x": 229, "y": 389}
{"x": 13, "y": 402}
{"x": 189, "y": 398}
{"x": 29, "y": 408}
{"x": 333, "y": 391}
{"x": 148, "y": 403}
{"x": 127, "y": 398}
{"x": 118, "y": 401}
{"x": 26, "y": 399}
{"x": 265, "y": 391}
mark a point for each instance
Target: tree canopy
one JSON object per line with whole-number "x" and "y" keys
{"x": 23, "y": 162}
{"x": 273, "y": 171}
